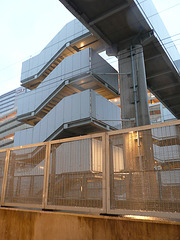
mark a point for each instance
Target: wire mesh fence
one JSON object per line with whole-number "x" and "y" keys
{"x": 2, "y": 164}
{"x": 129, "y": 169}
{"x": 145, "y": 169}
{"x": 25, "y": 176}
{"x": 75, "y": 174}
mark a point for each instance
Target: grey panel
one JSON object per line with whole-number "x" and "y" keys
{"x": 85, "y": 108}
{"x": 33, "y": 99}
{"x": 103, "y": 109}
{"x": 70, "y": 68}
{"x": 99, "y": 65}
{"x": 33, "y": 66}
{"x": 74, "y": 109}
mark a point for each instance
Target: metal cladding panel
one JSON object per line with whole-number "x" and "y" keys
{"x": 85, "y": 108}
{"x": 51, "y": 123}
{"x": 36, "y": 134}
{"x": 29, "y": 134}
{"x": 17, "y": 138}
{"x": 73, "y": 108}
{"x": 20, "y": 105}
{"x": 67, "y": 109}
{"x": 71, "y": 67}
{"x": 79, "y": 156}
{"x": 61, "y": 114}
{"x": 167, "y": 114}
{"x": 166, "y": 153}
{"x": 170, "y": 131}
{"x": 76, "y": 107}
{"x": 43, "y": 125}
{"x": 74, "y": 156}
{"x": 102, "y": 110}
{"x": 58, "y": 113}
{"x": 99, "y": 65}
{"x": 71, "y": 31}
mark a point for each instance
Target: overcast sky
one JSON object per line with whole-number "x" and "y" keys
{"x": 28, "y": 25}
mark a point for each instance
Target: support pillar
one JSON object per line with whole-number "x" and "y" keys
{"x": 138, "y": 146}
{"x": 134, "y": 101}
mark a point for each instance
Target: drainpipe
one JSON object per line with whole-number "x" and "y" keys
{"x": 134, "y": 86}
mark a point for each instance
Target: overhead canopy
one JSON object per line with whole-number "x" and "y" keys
{"x": 121, "y": 23}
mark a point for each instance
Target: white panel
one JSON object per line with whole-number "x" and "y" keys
{"x": 73, "y": 156}
{"x": 105, "y": 110}
{"x": 96, "y": 155}
{"x": 118, "y": 160}
{"x": 59, "y": 109}
{"x": 67, "y": 109}
{"x": 85, "y": 104}
{"x": 36, "y": 133}
{"x": 67, "y": 34}
{"x": 17, "y": 139}
{"x": 43, "y": 129}
{"x": 50, "y": 123}
{"x": 93, "y": 104}
{"x": 28, "y": 139}
{"x": 99, "y": 65}
{"x": 76, "y": 109}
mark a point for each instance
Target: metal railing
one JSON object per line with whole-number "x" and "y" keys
{"x": 112, "y": 172}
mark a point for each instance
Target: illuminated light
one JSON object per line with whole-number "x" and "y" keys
{"x": 140, "y": 217}
{"x": 115, "y": 100}
{"x": 41, "y": 167}
{"x": 82, "y": 44}
{"x": 131, "y": 132}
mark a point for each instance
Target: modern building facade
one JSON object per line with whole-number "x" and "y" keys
{"x": 8, "y": 117}
{"x": 66, "y": 91}
{"x": 73, "y": 92}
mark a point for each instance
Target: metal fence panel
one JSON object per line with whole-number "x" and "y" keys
{"x": 127, "y": 170}
{"x": 145, "y": 169}
{"x": 25, "y": 176}
{"x": 2, "y": 165}
{"x": 76, "y": 174}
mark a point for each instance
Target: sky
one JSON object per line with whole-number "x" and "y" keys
{"x": 28, "y": 25}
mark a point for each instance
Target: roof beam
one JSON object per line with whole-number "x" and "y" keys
{"x": 109, "y": 13}
{"x": 172, "y": 97}
{"x": 167, "y": 87}
{"x": 158, "y": 74}
{"x": 152, "y": 58}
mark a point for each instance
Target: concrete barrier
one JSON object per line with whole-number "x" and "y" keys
{"x": 39, "y": 225}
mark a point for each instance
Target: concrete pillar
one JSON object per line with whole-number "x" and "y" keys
{"x": 134, "y": 101}
{"x": 138, "y": 146}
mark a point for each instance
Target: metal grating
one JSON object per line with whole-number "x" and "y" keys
{"x": 145, "y": 170}
{"x": 25, "y": 175}
{"x": 75, "y": 176}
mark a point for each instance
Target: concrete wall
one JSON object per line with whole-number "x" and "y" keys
{"x": 38, "y": 225}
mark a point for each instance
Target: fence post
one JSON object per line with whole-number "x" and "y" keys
{"x": 46, "y": 175}
{"x": 4, "y": 182}
{"x": 104, "y": 181}
{"x": 108, "y": 199}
